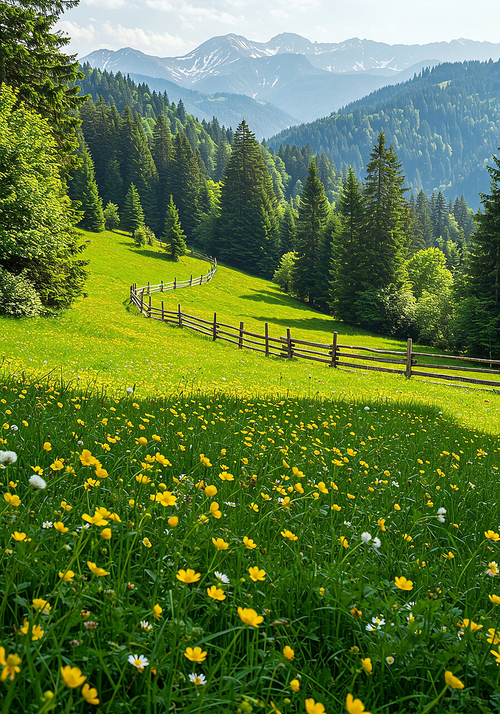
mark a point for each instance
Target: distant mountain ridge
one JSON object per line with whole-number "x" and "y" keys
{"x": 444, "y": 125}
{"x": 304, "y": 79}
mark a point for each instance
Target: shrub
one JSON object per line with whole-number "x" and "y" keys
{"x": 18, "y": 297}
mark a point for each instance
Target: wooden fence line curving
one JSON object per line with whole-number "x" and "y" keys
{"x": 333, "y": 354}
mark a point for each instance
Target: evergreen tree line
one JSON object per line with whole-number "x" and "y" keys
{"x": 445, "y": 123}
{"x": 422, "y": 268}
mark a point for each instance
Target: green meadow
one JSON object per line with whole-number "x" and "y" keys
{"x": 188, "y": 527}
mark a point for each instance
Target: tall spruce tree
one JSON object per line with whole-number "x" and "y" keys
{"x": 173, "y": 235}
{"x": 287, "y": 231}
{"x": 480, "y": 311}
{"x": 184, "y": 183}
{"x": 247, "y": 227}
{"x": 347, "y": 272}
{"x": 162, "y": 149}
{"x": 308, "y": 272}
{"x": 31, "y": 61}
{"x": 132, "y": 215}
{"x": 386, "y": 217}
{"x": 83, "y": 188}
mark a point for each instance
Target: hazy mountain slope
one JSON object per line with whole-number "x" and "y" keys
{"x": 304, "y": 79}
{"x": 230, "y": 109}
{"x": 444, "y": 125}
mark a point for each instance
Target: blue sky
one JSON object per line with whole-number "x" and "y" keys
{"x": 174, "y": 27}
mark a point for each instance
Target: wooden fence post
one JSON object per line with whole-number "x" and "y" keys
{"x": 175, "y": 283}
{"x": 289, "y": 343}
{"x": 148, "y": 287}
{"x": 162, "y": 311}
{"x": 214, "y": 334}
{"x": 162, "y": 285}
{"x": 191, "y": 281}
{"x": 334, "y": 351}
{"x": 142, "y": 301}
{"x": 240, "y": 339}
{"x": 201, "y": 279}
{"x": 180, "y": 315}
{"x": 149, "y": 308}
{"x": 266, "y": 338}
{"x": 408, "y": 358}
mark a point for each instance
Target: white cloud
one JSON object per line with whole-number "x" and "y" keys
{"x": 279, "y": 13}
{"x": 107, "y": 4}
{"x": 207, "y": 13}
{"x": 144, "y": 40}
{"x": 162, "y": 5}
{"x": 78, "y": 34}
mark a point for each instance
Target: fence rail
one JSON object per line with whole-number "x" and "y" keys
{"x": 332, "y": 354}
{"x": 175, "y": 284}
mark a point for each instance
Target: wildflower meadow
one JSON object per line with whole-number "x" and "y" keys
{"x": 236, "y": 554}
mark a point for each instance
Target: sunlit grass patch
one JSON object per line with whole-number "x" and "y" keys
{"x": 223, "y": 553}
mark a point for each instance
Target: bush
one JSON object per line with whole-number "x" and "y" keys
{"x": 18, "y": 297}
{"x": 388, "y": 311}
{"x": 144, "y": 235}
{"x": 111, "y": 216}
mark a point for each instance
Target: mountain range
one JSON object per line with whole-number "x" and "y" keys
{"x": 289, "y": 79}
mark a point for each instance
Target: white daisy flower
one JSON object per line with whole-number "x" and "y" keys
{"x": 222, "y": 577}
{"x": 389, "y": 660}
{"x": 197, "y": 678}
{"x": 146, "y": 626}
{"x": 366, "y": 537}
{"x": 47, "y": 524}
{"x": 139, "y": 661}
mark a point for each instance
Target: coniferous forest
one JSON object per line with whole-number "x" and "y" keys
{"x": 355, "y": 242}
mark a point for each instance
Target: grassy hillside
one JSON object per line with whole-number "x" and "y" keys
{"x": 219, "y": 539}
{"x": 101, "y": 340}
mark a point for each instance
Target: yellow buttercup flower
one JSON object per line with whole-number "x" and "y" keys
{"x": 288, "y": 652}
{"x": 216, "y": 593}
{"x": 295, "y": 685}
{"x": 41, "y": 606}
{"x": 106, "y": 533}
{"x": 36, "y": 632}
{"x": 452, "y": 681}
{"x": 403, "y": 584}
{"x": 59, "y": 526}
{"x": 188, "y": 576}
{"x": 492, "y": 535}
{"x": 90, "y": 694}
{"x": 12, "y": 499}
{"x": 288, "y": 534}
{"x": 220, "y": 544}
{"x": 99, "y": 572}
{"x": 157, "y": 611}
{"x": 367, "y": 665}
{"x": 195, "y": 654}
{"x": 166, "y": 498}
{"x": 494, "y": 599}
{"x": 67, "y": 576}
{"x": 210, "y": 490}
{"x": 72, "y": 676}
{"x": 313, "y": 707}
{"x": 248, "y": 543}
{"x": 250, "y": 617}
{"x": 256, "y": 573}
{"x": 355, "y": 706}
{"x": 10, "y": 665}
{"x": 19, "y": 537}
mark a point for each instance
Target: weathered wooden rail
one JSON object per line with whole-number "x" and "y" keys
{"x": 333, "y": 354}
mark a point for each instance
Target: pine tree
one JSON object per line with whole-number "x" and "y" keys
{"x": 311, "y": 223}
{"x": 161, "y": 151}
{"x": 31, "y": 62}
{"x": 481, "y": 308}
{"x": 184, "y": 183}
{"x": 247, "y": 229}
{"x": 386, "y": 215}
{"x": 347, "y": 273}
{"x": 83, "y": 188}
{"x": 424, "y": 220}
{"x": 132, "y": 214}
{"x": 439, "y": 216}
{"x": 287, "y": 231}
{"x": 173, "y": 235}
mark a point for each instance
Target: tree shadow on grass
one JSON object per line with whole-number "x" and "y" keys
{"x": 145, "y": 252}
{"x": 277, "y": 299}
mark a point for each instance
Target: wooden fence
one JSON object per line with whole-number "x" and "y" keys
{"x": 333, "y": 354}
{"x": 175, "y": 284}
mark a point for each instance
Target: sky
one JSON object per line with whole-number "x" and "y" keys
{"x": 174, "y": 27}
